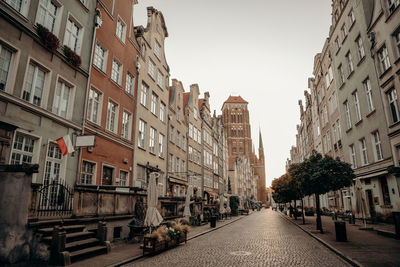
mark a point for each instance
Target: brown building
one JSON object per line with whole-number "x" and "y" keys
{"x": 111, "y": 100}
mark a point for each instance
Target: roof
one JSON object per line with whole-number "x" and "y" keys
{"x": 200, "y": 103}
{"x": 186, "y": 97}
{"x": 236, "y": 99}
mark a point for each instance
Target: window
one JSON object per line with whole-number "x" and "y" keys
{"x": 34, "y": 85}
{"x": 352, "y": 18}
{"x": 52, "y": 170}
{"x": 376, "y": 140}
{"x": 157, "y": 49}
{"x": 363, "y": 150}
{"x": 112, "y": 116}
{"x": 183, "y": 169}
{"x": 325, "y": 115}
{"x": 195, "y": 134}
{"x": 144, "y": 95}
{"x": 330, "y": 72}
{"x": 343, "y": 32}
{"x": 123, "y": 178}
{"x": 130, "y": 83}
{"x": 142, "y": 134}
{"x": 356, "y": 106}
{"x": 328, "y": 140}
{"x": 341, "y": 75}
{"x": 116, "y": 72}
{"x": 195, "y": 113}
{"x": 327, "y": 80}
{"x": 360, "y": 48}
{"x": 120, "y": 30}
{"x": 23, "y": 149}
{"x": 62, "y": 97}
{"x": 324, "y": 144}
{"x": 100, "y": 57}
{"x": 151, "y": 69}
{"x": 339, "y": 130}
{"x": 394, "y": 110}
{"x": 19, "y": 5}
{"x": 73, "y": 36}
{"x": 47, "y": 15}
{"x": 178, "y": 138}
{"x": 396, "y": 37}
{"x": 88, "y": 172}
{"x": 337, "y": 44}
{"x": 349, "y": 63}
{"x": 178, "y": 166}
{"x": 347, "y": 114}
{"x": 353, "y": 157}
{"x": 383, "y": 58}
{"x": 6, "y": 56}
{"x": 126, "y": 125}
{"x": 190, "y": 130}
{"x": 94, "y": 106}
{"x": 184, "y": 142}
{"x": 141, "y": 173}
{"x": 178, "y": 114}
{"x": 393, "y": 4}
{"x": 108, "y": 174}
{"x": 171, "y": 133}
{"x": 161, "y": 138}
{"x": 154, "y": 103}
{"x": 160, "y": 79}
{"x": 368, "y": 94}
{"x": 334, "y": 134}
{"x": 162, "y": 112}
{"x": 152, "y": 140}
{"x": 171, "y": 163}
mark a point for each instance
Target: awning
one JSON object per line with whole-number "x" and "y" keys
{"x": 177, "y": 181}
{"x": 375, "y": 174}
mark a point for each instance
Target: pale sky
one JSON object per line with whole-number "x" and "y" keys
{"x": 262, "y": 50}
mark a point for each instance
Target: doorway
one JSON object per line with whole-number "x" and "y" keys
{"x": 371, "y": 204}
{"x": 106, "y": 179}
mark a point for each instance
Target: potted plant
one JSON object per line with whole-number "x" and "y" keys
{"x": 49, "y": 39}
{"x": 72, "y": 57}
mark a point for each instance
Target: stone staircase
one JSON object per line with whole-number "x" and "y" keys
{"x": 72, "y": 243}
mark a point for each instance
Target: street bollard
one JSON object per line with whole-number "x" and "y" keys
{"x": 213, "y": 221}
{"x": 340, "y": 229}
{"x": 396, "y": 217}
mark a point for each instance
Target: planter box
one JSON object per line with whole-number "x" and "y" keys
{"x": 152, "y": 246}
{"x": 309, "y": 213}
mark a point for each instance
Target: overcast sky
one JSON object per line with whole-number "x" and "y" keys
{"x": 262, "y": 50}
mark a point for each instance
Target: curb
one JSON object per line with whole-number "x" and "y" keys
{"x": 334, "y": 250}
{"x": 193, "y": 237}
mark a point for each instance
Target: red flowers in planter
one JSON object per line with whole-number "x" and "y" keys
{"x": 48, "y": 38}
{"x": 72, "y": 57}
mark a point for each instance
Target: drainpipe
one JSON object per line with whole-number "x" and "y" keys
{"x": 167, "y": 155}
{"x": 135, "y": 119}
{"x": 97, "y": 24}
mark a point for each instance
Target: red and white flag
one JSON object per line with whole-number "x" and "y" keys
{"x": 65, "y": 145}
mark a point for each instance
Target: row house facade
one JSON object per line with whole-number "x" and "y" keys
{"x": 111, "y": 102}
{"x": 42, "y": 90}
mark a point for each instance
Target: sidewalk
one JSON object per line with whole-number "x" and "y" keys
{"x": 365, "y": 248}
{"x": 126, "y": 252}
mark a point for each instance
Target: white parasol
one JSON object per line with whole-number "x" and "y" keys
{"x": 186, "y": 211}
{"x": 153, "y": 217}
{"x": 221, "y": 205}
{"x": 360, "y": 201}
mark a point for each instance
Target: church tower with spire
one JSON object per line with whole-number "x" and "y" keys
{"x": 259, "y": 170}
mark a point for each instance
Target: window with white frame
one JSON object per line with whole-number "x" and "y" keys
{"x": 199, "y": 136}
{"x": 142, "y": 134}
{"x": 337, "y": 44}
{"x": 130, "y": 83}
{"x": 21, "y": 6}
{"x": 396, "y": 36}
{"x": 61, "y": 103}
{"x": 347, "y": 114}
{"x": 48, "y": 15}
{"x": 171, "y": 163}
{"x": 88, "y": 172}
{"x": 392, "y": 5}
{"x": 123, "y": 178}
{"x": 160, "y": 79}
{"x": 341, "y": 75}
{"x": 53, "y": 169}
{"x": 376, "y": 140}
{"x": 194, "y": 133}
{"x": 324, "y": 144}
{"x": 178, "y": 165}
{"x": 325, "y": 114}
{"x": 368, "y": 94}
{"x": 328, "y": 141}
{"x": 112, "y": 116}
{"x": 116, "y": 72}
{"x": 343, "y": 32}
{"x": 183, "y": 169}
{"x": 152, "y": 140}
{"x": 330, "y": 72}
{"x": 94, "y": 106}
{"x": 394, "y": 109}
{"x": 349, "y": 60}
{"x": 23, "y": 149}
{"x": 356, "y": 106}
{"x": 73, "y": 35}
{"x": 178, "y": 138}
{"x": 162, "y": 111}
{"x": 339, "y": 130}
{"x": 161, "y": 139}
{"x": 6, "y": 56}
{"x": 144, "y": 95}
{"x": 126, "y": 125}
{"x": 154, "y": 103}
{"x": 184, "y": 142}
{"x": 120, "y": 30}
{"x": 190, "y": 130}
{"x": 178, "y": 114}
{"x": 363, "y": 151}
{"x": 351, "y": 17}
{"x": 34, "y": 84}
{"x": 360, "y": 48}
{"x": 383, "y": 58}
{"x": 100, "y": 57}
{"x": 334, "y": 134}
{"x": 352, "y": 157}
{"x": 195, "y": 113}
{"x": 141, "y": 173}
{"x": 157, "y": 49}
{"x": 327, "y": 80}
{"x": 152, "y": 68}
{"x": 171, "y": 133}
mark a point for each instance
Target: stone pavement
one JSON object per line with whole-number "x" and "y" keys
{"x": 123, "y": 252}
{"x": 366, "y": 248}
{"x": 262, "y": 239}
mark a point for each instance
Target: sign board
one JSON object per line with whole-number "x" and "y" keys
{"x": 85, "y": 140}
{"x": 122, "y": 189}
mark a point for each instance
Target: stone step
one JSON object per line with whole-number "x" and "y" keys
{"x": 68, "y": 228}
{"x": 81, "y": 244}
{"x": 71, "y": 237}
{"x": 87, "y": 253}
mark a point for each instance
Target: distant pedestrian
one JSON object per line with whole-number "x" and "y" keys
{"x": 290, "y": 210}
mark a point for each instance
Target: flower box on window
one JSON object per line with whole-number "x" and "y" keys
{"x": 49, "y": 39}
{"x": 72, "y": 57}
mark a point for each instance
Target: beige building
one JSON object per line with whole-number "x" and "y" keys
{"x": 153, "y": 95}
{"x": 177, "y": 144}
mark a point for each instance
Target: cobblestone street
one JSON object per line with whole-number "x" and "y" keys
{"x": 261, "y": 239}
